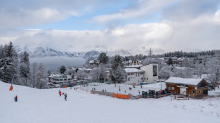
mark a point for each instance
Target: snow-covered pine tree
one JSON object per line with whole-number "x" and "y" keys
{"x": 103, "y": 58}
{"x": 25, "y": 68}
{"x": 8, "y": 63}
{"x": 170, "y": 61}
{"x": 118, "y": 73}
{"x": 62, "y": 69}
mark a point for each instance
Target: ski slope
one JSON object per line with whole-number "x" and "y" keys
{"x": 46, "y": 106}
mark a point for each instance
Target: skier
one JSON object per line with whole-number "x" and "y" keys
{"x": 119, "y": 88}
{"x": 60, "y": 92}
{"x": 16, "y": 98}
{"x": 139, "y": 92}
{"x": 65, "y": 96}
{"x": 141, "y": 86}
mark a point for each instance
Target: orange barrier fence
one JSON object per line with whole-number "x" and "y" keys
{"x": 64, "y": 86}
{"x": 121, "y": 96}
{"x": 11, "y": 88}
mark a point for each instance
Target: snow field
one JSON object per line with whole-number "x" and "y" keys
{"x": 45, "y": 106}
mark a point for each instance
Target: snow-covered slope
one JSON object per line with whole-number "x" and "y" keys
{"x": 46, "y": 106}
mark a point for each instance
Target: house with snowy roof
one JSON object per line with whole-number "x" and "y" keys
{"x": 187, "y": 86}
{"x": 60, "y": 78}
{"x": 137, "y": 74}
{"x": 94, "y": 62}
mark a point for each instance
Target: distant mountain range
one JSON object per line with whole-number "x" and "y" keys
{"x": 86, "y": 52}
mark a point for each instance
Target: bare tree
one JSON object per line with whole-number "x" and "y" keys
{"x": 213, "y": 70}
{"x": 34, "y": 68}
{"x": 41, "y": 76}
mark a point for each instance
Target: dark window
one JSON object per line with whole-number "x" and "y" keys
{"x": 154, "y": 70}
{"x": 193, "y": 91}
{"x": 169, "y": 87}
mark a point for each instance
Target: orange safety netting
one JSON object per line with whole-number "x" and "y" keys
{"x": 64, "y": 86}
{"x": 121, "y": 96}
{"x": 11, "y": 88}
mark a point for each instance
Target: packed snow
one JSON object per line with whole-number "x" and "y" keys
{"x": 46, "y": 106}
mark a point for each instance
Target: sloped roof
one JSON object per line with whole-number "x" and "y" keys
{"x": 187, "y": 81}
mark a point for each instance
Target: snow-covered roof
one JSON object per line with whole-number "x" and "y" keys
{"x": 91, "y": 61}
{"x": 133, "y": 66}
{"x": 55, "y": 75}
{"x": 88, "y": 69}
{"x": 187, "y": 81}
{"x": 133, "y": 70}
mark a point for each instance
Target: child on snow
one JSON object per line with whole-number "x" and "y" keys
{"x": 65, "y": 97}
{"x": 60, "y": 92}
{"x": 16, "y": 98}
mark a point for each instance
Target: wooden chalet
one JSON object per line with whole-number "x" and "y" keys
{"x": 187, "y": 86}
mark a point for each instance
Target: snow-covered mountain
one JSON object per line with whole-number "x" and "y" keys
{"x": 85, "y": 52}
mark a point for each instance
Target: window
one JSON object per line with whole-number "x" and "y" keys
{"x": 193, "y": 91}
{"x": 172, "y": 88}
{"x": 169, "y": 87}
{"x": 128, "y": 73}
{"x": 61, "y": 79}
{"x": 65, "y": 79}
{"x": 131, "y": 73}
{"x": 154, "y": 70}
{"x": 128, "y": 79}
{"x": 199, "y": 91}
{"x": 136, "y": 74}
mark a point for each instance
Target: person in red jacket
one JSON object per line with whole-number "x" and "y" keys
{"x": 60, "y": 92}
{"x": 16, "y": 98}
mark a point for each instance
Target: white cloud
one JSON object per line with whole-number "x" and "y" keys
{"x": 192, "y": 35}
{"x": 142, "y": 8}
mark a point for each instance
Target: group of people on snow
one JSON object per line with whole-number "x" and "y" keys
{"x": 65, "y": 95}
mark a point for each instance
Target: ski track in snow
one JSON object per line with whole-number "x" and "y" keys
{"x": 46, "y": 106}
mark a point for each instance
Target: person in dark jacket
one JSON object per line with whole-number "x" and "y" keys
{"x": 65, "y": 96}
{"x": 16, "y": 98}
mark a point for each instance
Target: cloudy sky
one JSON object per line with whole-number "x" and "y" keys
{"x": 188, "y": 25}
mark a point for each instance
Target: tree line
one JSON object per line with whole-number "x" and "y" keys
{"x": 16, "y": 68}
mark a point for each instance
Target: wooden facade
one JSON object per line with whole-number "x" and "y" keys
{"x": 200, "y": 89}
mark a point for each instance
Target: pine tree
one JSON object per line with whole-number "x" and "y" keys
{"x": 62, "y": 69}
{"x": 25, "y": 67}
{"x": 103, "y": 58}
{"x": 118, "y": 73}
{"x": 170, "y": 61}
{"x": 8, "y": 63}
